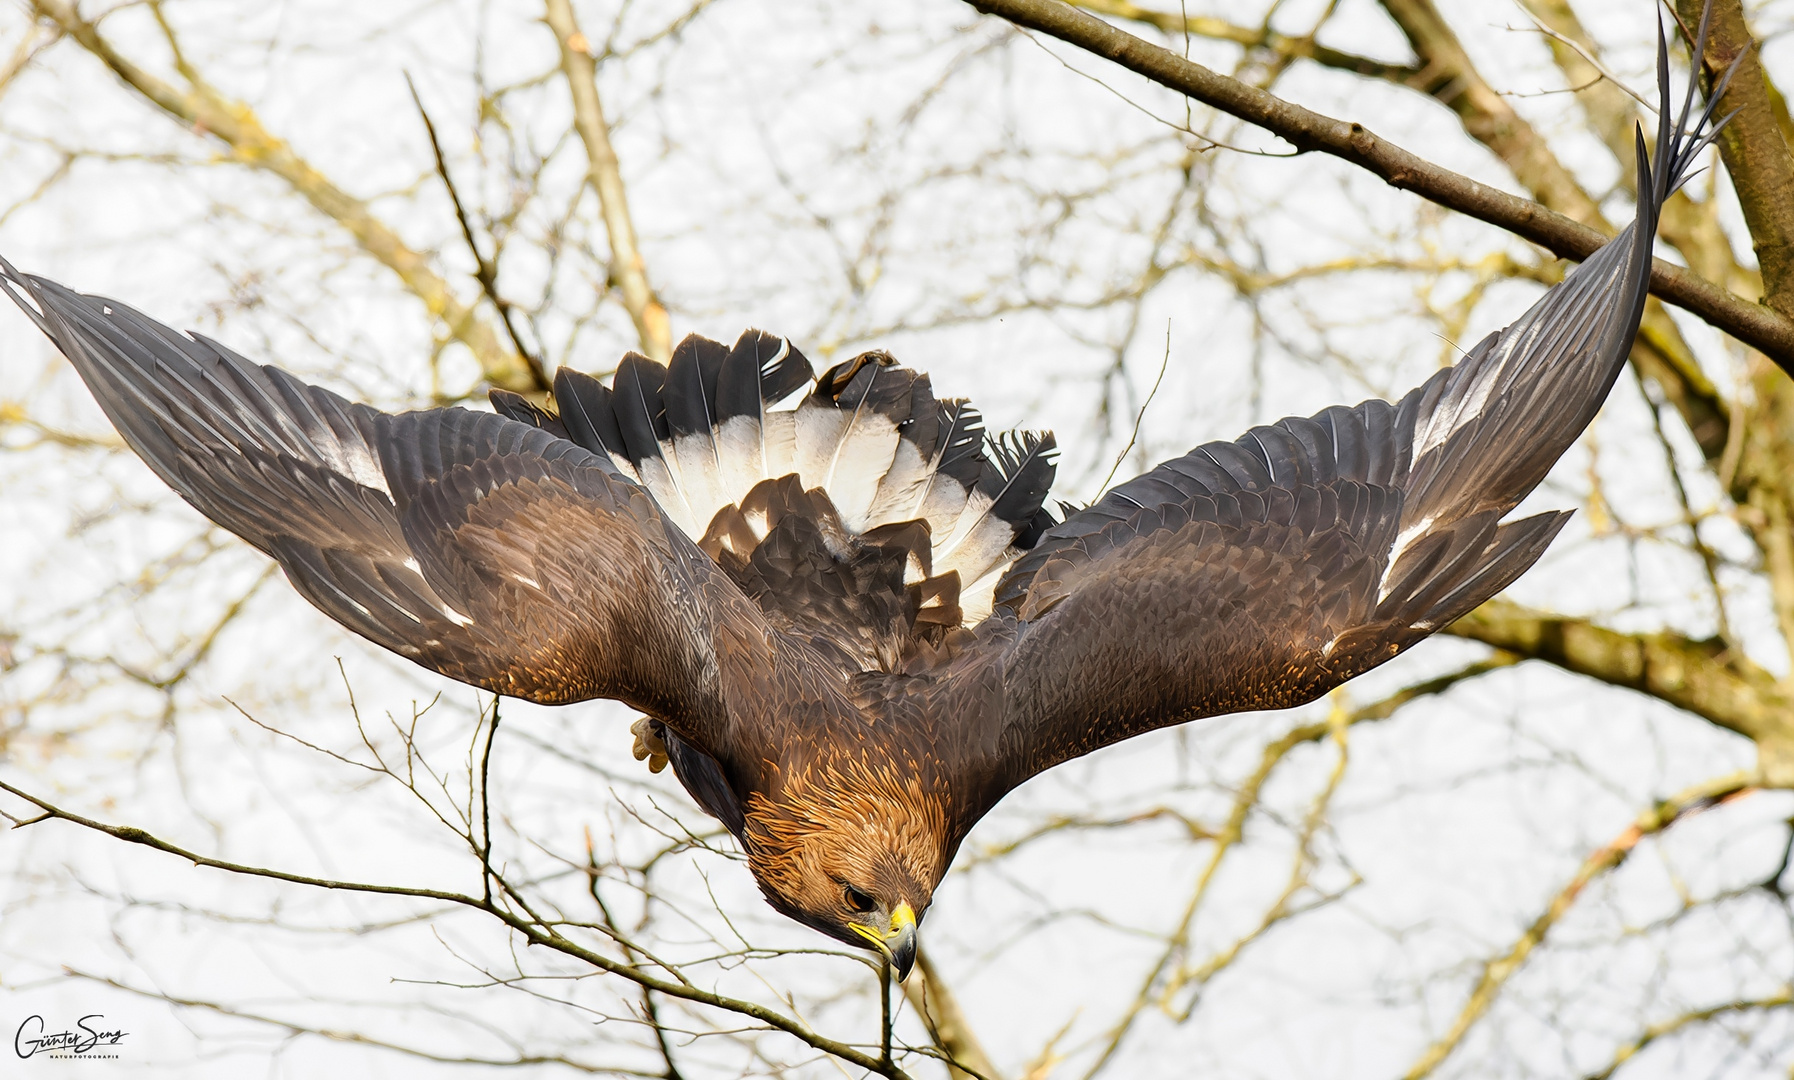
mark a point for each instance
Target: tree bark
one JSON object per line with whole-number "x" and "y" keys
{"x": 1752, "y": 147}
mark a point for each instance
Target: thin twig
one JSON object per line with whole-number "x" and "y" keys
{"x": 1499, "y": 970}
{"x": 884, "y": 1007}
{"x": 485, "y": 270}
{"x": 1749, "y": 322}
{"x": 486, "y": 805}
{"x": 530, "y": 926}
{"x": 1600, "y": 68}
{"x": 1140, "y": 416}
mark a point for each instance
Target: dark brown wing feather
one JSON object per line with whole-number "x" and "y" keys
{"x": 1261, "y": 573}
{"x": 480, "y": 547}
{"x": 1226, "y": 589}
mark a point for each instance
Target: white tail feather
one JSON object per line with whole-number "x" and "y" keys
{"x": 778, "y": 437}
{"x": 741, "y": 454}
{"x": 818, "y": 436}
{"x": 865, "y": 455}
{"x": 942, "y": 505}
{"x": 626, "y": 467}
{"x": 902, "y": 488}
{"x": 977, "y": 599}
{"x": 700, "y": 476}
{"x": 979, "y": 540}
{"x": 658, "y": 476}
{"x": 871, "y": 474}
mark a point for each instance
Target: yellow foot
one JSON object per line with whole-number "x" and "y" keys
{"x": 648, "y": 745}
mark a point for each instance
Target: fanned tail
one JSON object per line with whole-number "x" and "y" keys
{"x": 753, "y": 442}
{"x": 1003, "y": 515}
{"x": 706, "y": 437}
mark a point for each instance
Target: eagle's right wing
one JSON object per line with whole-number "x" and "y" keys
{"x": 480, "y": 547}
{"x": 1261, "y": 573}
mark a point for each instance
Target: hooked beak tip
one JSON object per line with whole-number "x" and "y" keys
{"x": 903, "y": 955}
{"x": 902, "y": 942}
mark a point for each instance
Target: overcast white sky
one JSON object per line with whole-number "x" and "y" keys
{"x": 848, "y": 174}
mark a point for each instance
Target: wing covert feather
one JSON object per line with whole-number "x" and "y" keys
{"x": 1206, "y": 587}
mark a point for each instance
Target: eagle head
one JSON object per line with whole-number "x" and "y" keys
{"x": 856, "y": 855}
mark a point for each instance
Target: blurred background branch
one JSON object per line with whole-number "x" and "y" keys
{"x": 606, "y": 177}
{"x": 206, "y": 111}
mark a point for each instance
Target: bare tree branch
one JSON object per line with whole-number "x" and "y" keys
{"x": 1448, "y": 75}
{"x": 1310, "y": 131}
{"x": 234, "y": 123}
{"x": 1498, "y": 971}
{"x": 1281, "y": 45}
{"x": 534, "y": 930}
{"x": 627, "y": 269}
{"x": 1752, "y": 147}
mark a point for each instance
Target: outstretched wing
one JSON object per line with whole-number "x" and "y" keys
{"x": 1259, "y": 574}
{"x": 480, "y": 547}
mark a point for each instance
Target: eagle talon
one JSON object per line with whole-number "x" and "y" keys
{"x": 648, "y": 744}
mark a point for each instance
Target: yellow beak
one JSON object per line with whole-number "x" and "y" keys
{"x": 898, "y": 943}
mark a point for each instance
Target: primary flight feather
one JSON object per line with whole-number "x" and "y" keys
{"x": 851, "y": 624}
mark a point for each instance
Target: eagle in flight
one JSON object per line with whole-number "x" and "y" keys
{"x": 851, "y": 624}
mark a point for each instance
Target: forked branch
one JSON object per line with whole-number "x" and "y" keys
{"x": 534, "y": 931}
{"x": 201, "y": 107}
{"x": 1308, "y": 130}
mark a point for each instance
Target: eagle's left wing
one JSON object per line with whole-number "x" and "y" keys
{"x": 1256, "y": 574}
{"x": 1261, "y": 573}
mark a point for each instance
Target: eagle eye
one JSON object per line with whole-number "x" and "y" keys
{"x": 859, "y": 901}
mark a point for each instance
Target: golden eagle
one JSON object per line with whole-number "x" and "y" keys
{"x": 851, "y": 623}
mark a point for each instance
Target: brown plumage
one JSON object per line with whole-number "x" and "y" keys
{"x": 851, "y": 625}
